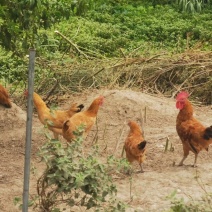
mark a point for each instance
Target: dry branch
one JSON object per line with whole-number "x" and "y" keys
{"x": 73, "y": 44}
{"x": 163, "y": 74}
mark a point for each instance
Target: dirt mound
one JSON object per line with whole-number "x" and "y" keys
{"x": 12, "y": 127}
{"x": 147, "y": 191}
{"x": 11, "y": 117}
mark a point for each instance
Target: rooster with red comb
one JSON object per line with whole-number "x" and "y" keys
{"x": 194, "y": 136}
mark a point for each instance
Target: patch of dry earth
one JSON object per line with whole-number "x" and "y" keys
{"x": 148, "y": 191}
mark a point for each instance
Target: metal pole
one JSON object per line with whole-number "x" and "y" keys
{"x": 28, "y": 129}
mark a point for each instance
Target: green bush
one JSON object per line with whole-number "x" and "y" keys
{"x": 137, "y": 28}
{"x": 77, "y": 178}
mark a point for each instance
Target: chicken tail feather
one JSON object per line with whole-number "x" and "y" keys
{"x": 65, "y": 126}
{"x": 142, "y": 145}
{"x": 208, "y": 133}
{"x": 7, "y": 105}
{"x": 80, "y": 107}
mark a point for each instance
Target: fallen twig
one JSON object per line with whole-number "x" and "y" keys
{"x": 73, "y": 44}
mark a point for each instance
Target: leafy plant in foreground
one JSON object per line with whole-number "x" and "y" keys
{"x": 179, "y": 204}
{"x": 75, "y": 179}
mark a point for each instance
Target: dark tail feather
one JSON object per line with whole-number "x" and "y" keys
{"x": 65, "y": 126}
{"x": 81, "y": 106}
{"x": 8, "y": 105}
{"x": 142, "y": 145}
{"x": 208, "y": 133}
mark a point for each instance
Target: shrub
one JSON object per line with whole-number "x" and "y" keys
{"x": 74, "y": 178}
{"x": 179, "y": 204}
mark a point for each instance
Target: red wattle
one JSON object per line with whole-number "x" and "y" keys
{"x": 179, "y": 105}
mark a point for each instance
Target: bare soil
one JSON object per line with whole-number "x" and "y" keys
{"x": 148, "y": 190}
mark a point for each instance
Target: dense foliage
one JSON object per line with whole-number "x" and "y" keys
{"x": 21, "y": 20}
{"x": 75, "y": 178}
{"x": 110, "y": 24}
{"x": 91, "y": 30}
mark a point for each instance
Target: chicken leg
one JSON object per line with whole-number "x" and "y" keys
{"x": 195, "y": 161}
{"x": 141, "y": 166}
{"x": 181, "y": 162}
{"x": 186, "y": 153}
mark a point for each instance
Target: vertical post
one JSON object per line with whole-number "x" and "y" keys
{"x": 28, "y": 129}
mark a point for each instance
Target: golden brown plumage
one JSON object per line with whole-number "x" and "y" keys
{"x": 86, "y": 118}
{"x": 135, "y": 145}
{"x": 4, "y": 97}
{"x": 194, "y": 136}
{"x": 54, "y": 119}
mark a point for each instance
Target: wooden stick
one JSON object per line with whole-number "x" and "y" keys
{"x": 119, "y": 140}
{"x": 73, "y": 44}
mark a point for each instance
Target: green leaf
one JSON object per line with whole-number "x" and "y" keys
{"x": 17, "y": 200}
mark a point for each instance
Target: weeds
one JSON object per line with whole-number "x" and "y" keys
{"x": 179, "y": 204}
{"x": 161, "y": 75}
{"x": 168, "y": 146}
{"x": 73, "y": 177}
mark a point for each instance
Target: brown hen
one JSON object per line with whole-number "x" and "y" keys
{"x": 53, "y": 119}
{"x": 135, "y": 145}
{"x": 4, "y": 97}
{"x": 86, "y": 118}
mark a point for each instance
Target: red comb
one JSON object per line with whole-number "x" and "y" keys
{"x": 182, "y": 95}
